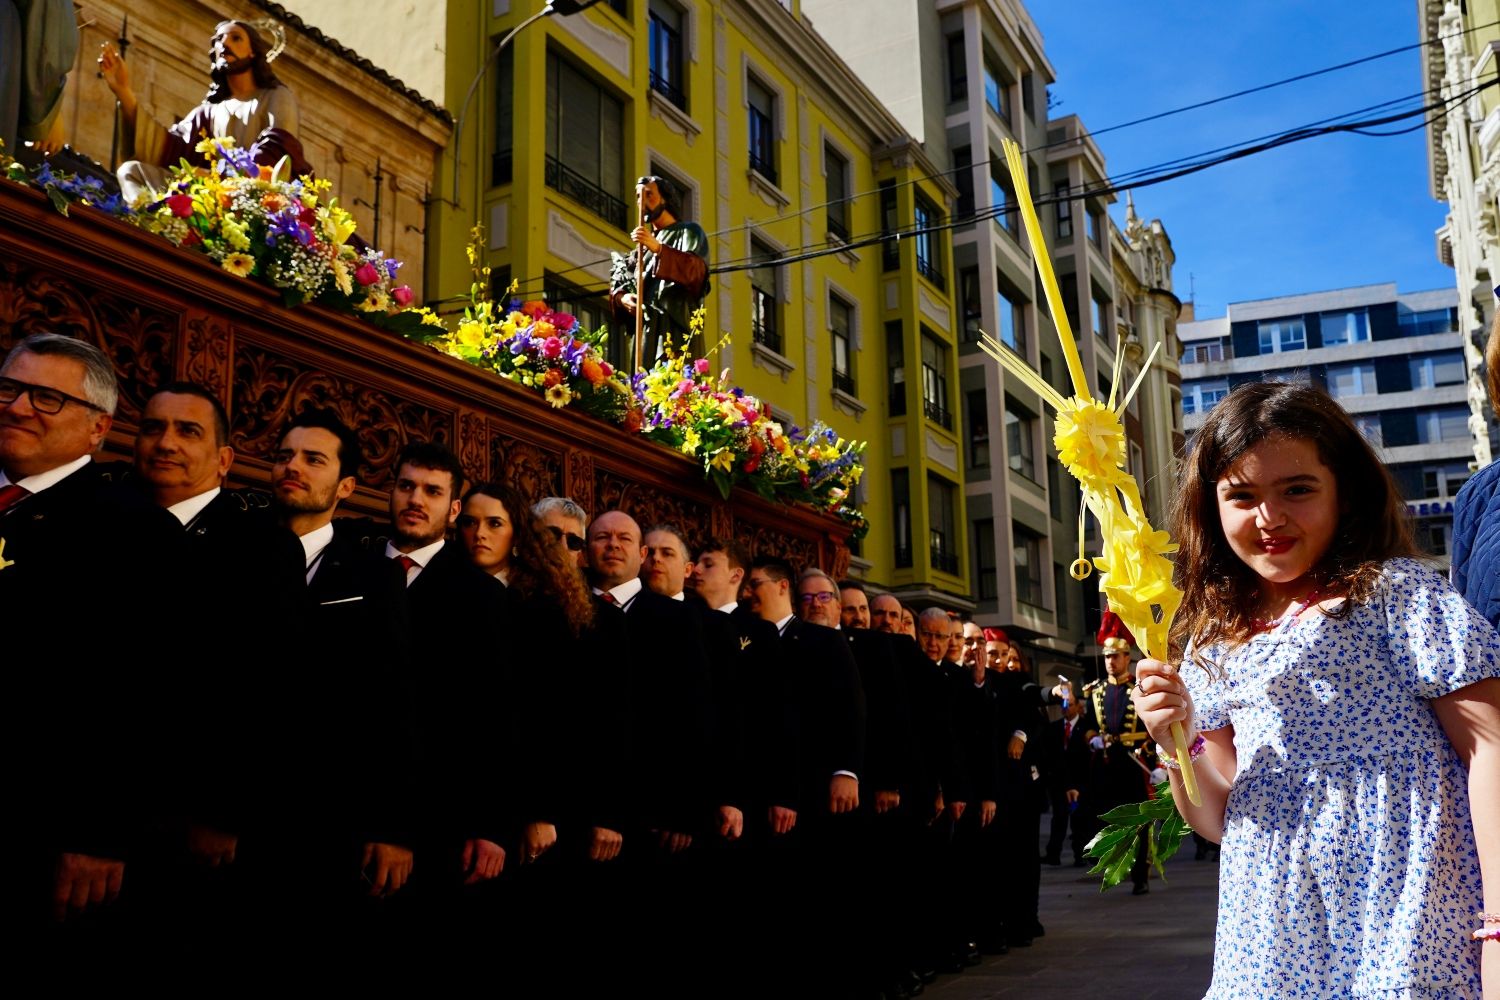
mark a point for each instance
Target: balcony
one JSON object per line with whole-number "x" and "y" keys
{"x": 844, "y": 382}
{"x": 903, "y": 557}
{"x": 667, "y": 89}
{"x": 938, "y": 414}
{"x": 765, "y": 333}
{"x": 929, "y": 270}
{"x": 943, "y": 561}
{"x": 586, "y": 193}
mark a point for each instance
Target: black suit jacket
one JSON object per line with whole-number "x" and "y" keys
{"x": 670, "y": 714}
{"x": 770, "y": 714}
{"x": 464, "y": 703}
{"x": 1065, "y": 766}
{"x": 889, "y": 761}
{"x": 830, "y": 706}
{"x": 253, "y": 571}
{"x": 92, "y": 568}
{"x": 975, "y": 722}
{"x": 939, "y": 760}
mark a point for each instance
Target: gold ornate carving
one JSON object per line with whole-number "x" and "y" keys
{"x": 471, "y": 433}
{"x": 271, "y": 388}
{"x": 580, "y": 481}
{"x": 205, "y": 358}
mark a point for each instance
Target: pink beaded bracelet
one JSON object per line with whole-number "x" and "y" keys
{"x": 1170, "y": 760}
{"x": 1487, "y": 934}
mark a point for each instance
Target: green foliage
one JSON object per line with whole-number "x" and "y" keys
{"x": 1114, "y": 847}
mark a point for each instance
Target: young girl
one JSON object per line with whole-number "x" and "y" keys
{"x": 1342, "y": 705}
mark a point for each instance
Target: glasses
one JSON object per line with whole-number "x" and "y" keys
{"x": 572, "y": 541}
{"x": 939, "y": 636}
{"x": 822, "y": 598}
{"x": 44, "y": 399}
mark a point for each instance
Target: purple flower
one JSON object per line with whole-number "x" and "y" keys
{"x": 284, "y": 224}
{"x": 391, "y": 267}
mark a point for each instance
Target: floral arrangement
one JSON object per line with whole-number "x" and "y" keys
{"x": 733, "y": 434}
{"x": 529, "y": 343}
{"x": 253, "y": 221}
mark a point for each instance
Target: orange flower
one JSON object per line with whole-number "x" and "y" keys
{"x": 592, "y": 371}
{"x": 553, "y": 377}
{"x": 633, "y": 421}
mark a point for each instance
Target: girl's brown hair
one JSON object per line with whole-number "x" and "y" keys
{"x": 1492, "y": 362}
{"x": 539, "y": 565}
{"x": 1219, "y": 591}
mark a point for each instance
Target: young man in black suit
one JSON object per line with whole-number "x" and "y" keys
{"x": 337, "y": 785}
{"x": 465, "y": 711}
{"x": 84, "y": 562}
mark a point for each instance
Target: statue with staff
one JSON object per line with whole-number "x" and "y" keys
{"x": 663, "y": 281}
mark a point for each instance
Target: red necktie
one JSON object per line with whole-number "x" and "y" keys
{"x": 407, "y": 562}
{"x": 1067, "y": 732}
{"x": 609, "y": 598}
{"x": 11, "y": 495}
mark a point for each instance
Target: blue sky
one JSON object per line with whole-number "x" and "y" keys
{"x": 1323, "y": 213}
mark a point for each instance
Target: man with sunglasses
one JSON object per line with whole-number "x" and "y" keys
{"x": 83, "y": 562}
{"x": 566, "y": 521}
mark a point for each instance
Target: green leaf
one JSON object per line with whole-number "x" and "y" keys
{"x": 1127, "y": 814}
{"x": 1105, "y": 840}
{"x": 1172, "y": 832}
{"x": 59, "y": 200}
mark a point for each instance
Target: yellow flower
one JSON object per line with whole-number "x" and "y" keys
{"x": 559, "y": 396}
{"x": 337, "y": 224}
{"x": 1091, "y": 442}
{"x": 342, "y": 277}
{"x": 241, "y": 264}
{"x": 430, "y": 318}
{"x": 207, "y": 146}
{"x": 375, "y": 300}
{"x": 470, "y": 334}
{"x": 234, "y": 233}
{"x": 690, "y": 442}
{"x": 723, "y": 459}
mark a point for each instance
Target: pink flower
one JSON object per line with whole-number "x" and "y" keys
{"x": 402, "y": 295}
{"x": 564, "y": 321}
{"x": 608, "y": 369}
{"x": 367, "y": 274}
{"x": 551, "y": 347}
{"x": 181, "y": 205}
{"x": 701, "y": 366}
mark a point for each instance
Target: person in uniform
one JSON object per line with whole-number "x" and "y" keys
{"x": 1114, "y": 775}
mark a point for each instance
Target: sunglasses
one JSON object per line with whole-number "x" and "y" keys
{"x": 572, "y": 541}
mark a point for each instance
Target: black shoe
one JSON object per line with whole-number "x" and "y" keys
{"x": 1018, "y": 940}
{"x": 1051, "y": 859}
{"x": 1037, "y": 930}
{"x": 1140, "y": 890}
{"x": 1080, "y": 862}
{"x": 951, "y": 964}
{"x": 911, "y": 982}
{"x": 995, "y": 946}
{"x": 925, "y": 973}
{"x": 898, "y": 990}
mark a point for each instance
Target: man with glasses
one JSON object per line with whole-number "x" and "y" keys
{"x": 566, "y": 520}
{"x": 83, "y": 563}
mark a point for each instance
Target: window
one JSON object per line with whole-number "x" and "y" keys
{"x": 985, "y": 575}
{"x": 1026, "y": 547}
{"x": 958, "y": 69}
{"x": 1060, "y": 580}
{"x": 762, "y": 128}
{"x": 1433, "y": 370}
{"x": 1197, "y": 354}
{"x": 1427, "y": 321}
{"x": 1028, "y": 97}
{"x": 890, "y": 250}
{"x": 1369, "y": 425}
{"x": 968, "y": 303}
{"x": 1348, "y": 327}
{"x": 620, "y": 7}
{"x": 837, "y": 192}
{"x": 1435, "y": 537}
{"x": 1450, "y": 423}
{"x": 1002, "y": 201}
{"x": 505, "y": 126}
{"x": 1351, "y": 380}
{"x": 1442, "y": 482}
{"x": 1055, "y": 489}
{"x": 963, "y": 179}
{"x": 664, "y": 26}
{"x": 1011, "y": 319}
{"x": 1020, "y": 428}
{"x": 1064, "y": 212}
{"x": 1099, "y": 315}
{"x": 1095, "y": 226}
{"x": 585, "y": 141}
{"x": 935, "y": 381}
{"x": 941, "y": 532}
{"x": 979, "y": 428}
{"x": 895, "y": 362}
{"x": 1200, "y": 397}
{"x": 840, "y": 321}
{"x": 765, "y": 327}
{"x": 901, "y": 506}
{"x": 928, "y": 244}
{"x": 995, "y": 94}
{"x": 1277, "y": 336}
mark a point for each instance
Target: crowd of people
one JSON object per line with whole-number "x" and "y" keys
{"x": 496, "y": 720}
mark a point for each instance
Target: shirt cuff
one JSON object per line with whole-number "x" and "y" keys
{"x": 1019, "y": 734}
{"x": 846, "y": 774}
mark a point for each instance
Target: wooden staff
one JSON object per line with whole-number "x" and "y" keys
{"x": 640, "y": 279}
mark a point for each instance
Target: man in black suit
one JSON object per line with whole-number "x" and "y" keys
{"x": 252, "y": 568}
{"x": 336, "y": 810}
{"x": 1064, "y": 761}
{"x": 670, "y": 718}
{"x": 855, "y": 612}
{"x": 465, "y": 714}
{"x": 84, "y": 562}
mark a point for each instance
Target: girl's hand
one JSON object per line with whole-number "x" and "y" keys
{"x": 1161, "y": 699}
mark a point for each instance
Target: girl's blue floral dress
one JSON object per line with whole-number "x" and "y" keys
{"x": 1348, "y": 865}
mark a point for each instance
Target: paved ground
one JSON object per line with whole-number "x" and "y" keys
{"x": 1154, "y": 947}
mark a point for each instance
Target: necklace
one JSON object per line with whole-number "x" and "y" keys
{"x": 1258, "y": 625}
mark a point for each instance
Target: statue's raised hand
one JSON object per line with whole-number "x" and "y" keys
{"x": 116, "y": 74}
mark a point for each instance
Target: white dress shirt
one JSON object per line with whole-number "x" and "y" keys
{"x": 730, "y": 607}
{"x": 421, "y": 557}
{"x": 43, "y": 480}
{"x": 186, "y": 510}
{"x": 624, "y": 593}
{"x": 313, "y": 544}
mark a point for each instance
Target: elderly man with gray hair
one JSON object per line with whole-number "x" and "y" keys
{"x": 81, "y": 557}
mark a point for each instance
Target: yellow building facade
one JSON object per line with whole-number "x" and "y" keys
{"x": 793, "y": 168}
